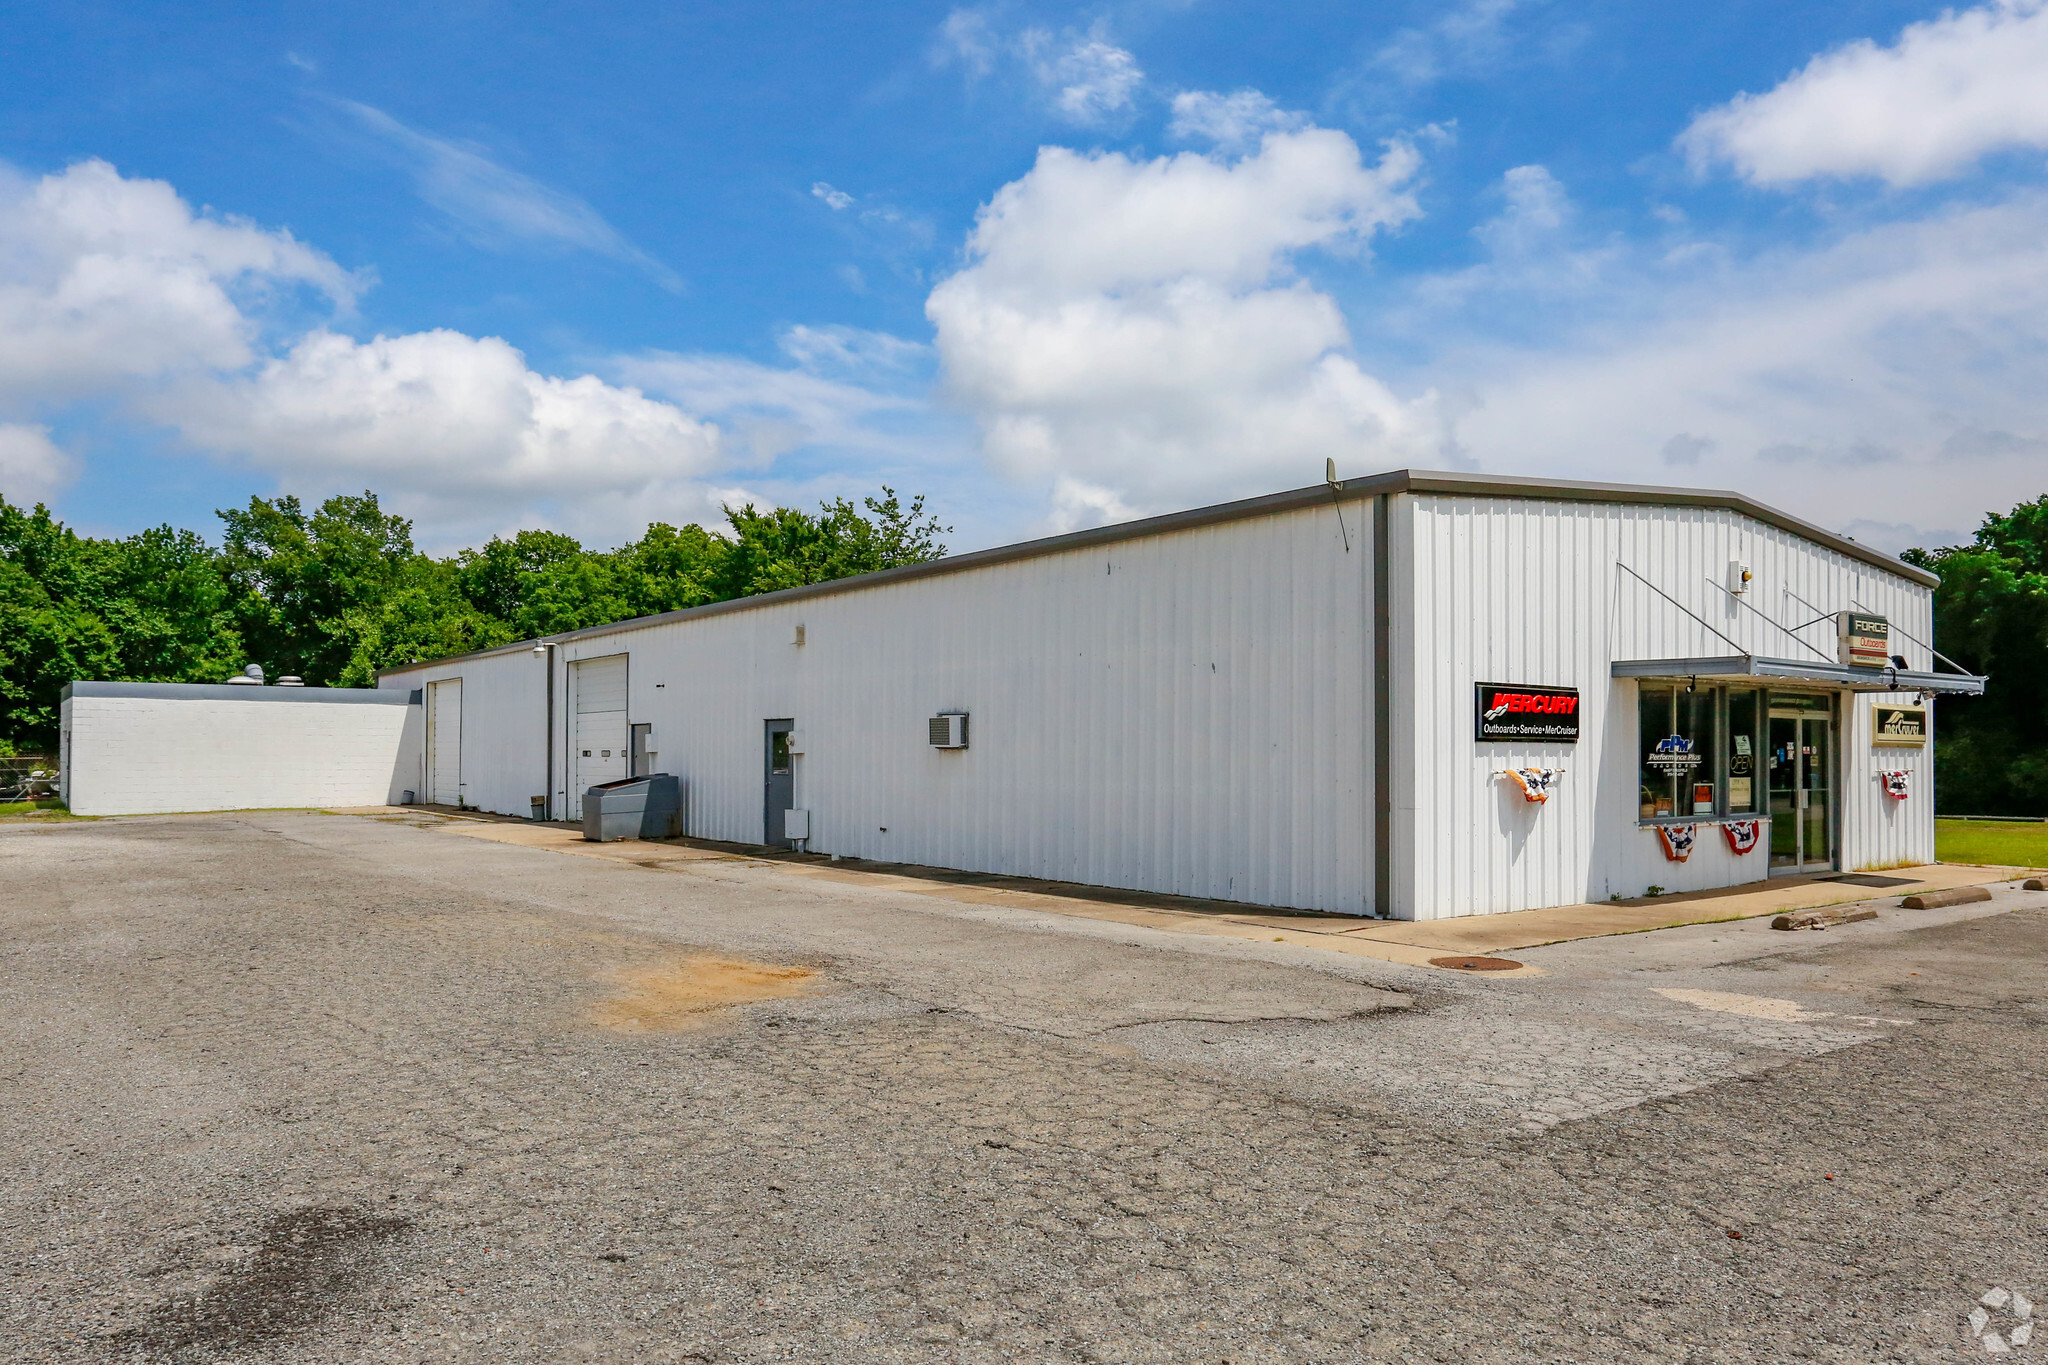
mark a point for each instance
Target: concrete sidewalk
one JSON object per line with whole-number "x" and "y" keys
{"x": 1411, "y": 942}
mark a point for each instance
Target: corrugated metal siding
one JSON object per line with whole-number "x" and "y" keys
{"x": 1187, "y": 713}
{"x": 444, "y": 742}
{"x": 1517, "y": 590}
{"x": 504, "y": 720}
{"x": 1880, "y": 831}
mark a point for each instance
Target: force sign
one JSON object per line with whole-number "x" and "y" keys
{"x": 1548, "y": 715}
{"x": 1864, "y": 640}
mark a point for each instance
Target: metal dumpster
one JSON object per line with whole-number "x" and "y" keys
{"x": 648, "y": 807}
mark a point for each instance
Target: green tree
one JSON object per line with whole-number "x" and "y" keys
{"x": 149, "y": 607}
{"x": 299, "y": 580}
{"x": 337, "y": 593}
{"x": 1991, "y": 616}
{"x": 786, "y": 548}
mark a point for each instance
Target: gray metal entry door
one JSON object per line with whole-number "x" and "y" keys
{"x": 779, "y": 785}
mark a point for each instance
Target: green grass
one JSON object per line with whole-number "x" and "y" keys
{"x": 1992, "y": 841}
{"x": 49, "y": 810}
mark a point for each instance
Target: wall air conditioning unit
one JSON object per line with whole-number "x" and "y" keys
{"x": 949, "y": 730}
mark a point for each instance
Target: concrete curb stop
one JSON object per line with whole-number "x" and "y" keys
{"x": 1956, "y": 895}
{"x": 1825, "y": 917}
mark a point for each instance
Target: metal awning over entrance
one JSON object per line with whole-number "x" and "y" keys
{"x": 1753, "y": 668}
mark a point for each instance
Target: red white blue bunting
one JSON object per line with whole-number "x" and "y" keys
{"x": 1894, "y": 784}
{"x": 1742, "y": 834}
{"x": 1535, "y": 782}
{"x": 1678, "y": 840}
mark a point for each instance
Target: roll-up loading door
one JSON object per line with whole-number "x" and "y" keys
{"x": 600, "y": 748}
{"x": 444, "y": 742}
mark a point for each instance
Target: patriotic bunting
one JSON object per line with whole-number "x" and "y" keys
{"x": 1742, "y": 834}
{"x": 1535, "y": 782}
{"x": 1678, "y": 840}
{"x": 1894, "y": 785}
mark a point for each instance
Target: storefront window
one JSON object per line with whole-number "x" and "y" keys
{"x": 1676, "y": 752}
{"x": 1744, "y": 765}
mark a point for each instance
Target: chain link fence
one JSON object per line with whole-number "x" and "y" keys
{"x": 28, "y": 777}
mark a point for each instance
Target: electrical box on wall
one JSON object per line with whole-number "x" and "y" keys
{"x": 1738, "y": 576}
{"x": 949, "y": 730}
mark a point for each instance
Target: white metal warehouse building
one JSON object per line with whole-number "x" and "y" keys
{"x": 1278, "y": 701}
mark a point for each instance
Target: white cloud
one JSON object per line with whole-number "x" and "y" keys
{"x": 1463, "y": 38}
{"x": 966, "y": 37}
{"x": 1892, "y": 368}
{"x": 114, "y": 292}
{"x": 834, "y": 199}
{"x": 439, "y": 412}
{"x": 1232, "y": 123}
{"x": 496, "y": 207}
{"x": 106, "y": 282}
{"x": 1946, "y": 93}
{"x": 839, "y": 381}
{"x": 31, "y": 465}
{"x": 1086, "y": 78}
{"x": 1130, "y": 332}
{"x": 1089, "y": 77}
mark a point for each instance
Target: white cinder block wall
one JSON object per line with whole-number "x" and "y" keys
{"x": 145, "y": 748}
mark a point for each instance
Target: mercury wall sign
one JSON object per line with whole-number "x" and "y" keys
{"x": 1898, "y": 727}
{"x": 1548, "y": 715}
{"x": 1863, "y": 640}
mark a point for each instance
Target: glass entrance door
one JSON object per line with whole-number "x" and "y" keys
{"x": 1801, "y": 777}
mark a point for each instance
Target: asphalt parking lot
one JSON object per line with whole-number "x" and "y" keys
{"x": 330, "y": 1088}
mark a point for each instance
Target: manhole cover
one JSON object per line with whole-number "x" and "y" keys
{"x": 1475, "y": 964}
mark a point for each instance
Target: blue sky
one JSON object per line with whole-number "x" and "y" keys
{"x": 518, "y": 265}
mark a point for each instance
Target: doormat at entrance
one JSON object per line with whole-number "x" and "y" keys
{"x": 1865, "y": 879}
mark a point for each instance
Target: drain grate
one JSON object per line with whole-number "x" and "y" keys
{"x": 1475, "y": 964}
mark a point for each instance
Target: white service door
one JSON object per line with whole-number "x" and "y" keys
{"x": 444, "y": 742}
{"x": 601, "y": 741}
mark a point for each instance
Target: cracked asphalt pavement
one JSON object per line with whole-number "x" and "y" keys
{"x": 304, "y": 1087}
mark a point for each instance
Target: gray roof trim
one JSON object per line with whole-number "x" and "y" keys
{"x": 344, "y": 696}
{"x": 1270, "y": 504}
{"x": 1799, "y": 670}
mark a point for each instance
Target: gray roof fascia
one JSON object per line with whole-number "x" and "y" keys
{"x": 1270, "y": 504}
{"x": 1653, "y": 495}
{"x": 343, "y": 696}
{"x": 1736, "y": 666}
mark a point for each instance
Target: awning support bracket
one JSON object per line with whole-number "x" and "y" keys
{"x": 1676, "y": 603}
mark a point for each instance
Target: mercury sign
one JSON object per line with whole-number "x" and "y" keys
{"x": 1864, "y": 641}
{"x": 1547, "y": 715}
{"x": 1898, "y": 727}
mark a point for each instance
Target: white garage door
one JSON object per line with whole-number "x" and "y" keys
{"x": 601, "y": 738}
{"x": 444, "y": 742}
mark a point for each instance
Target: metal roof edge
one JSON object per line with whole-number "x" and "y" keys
{"x": 1575, "y": 490}
{"x": 1269, "y": 504}
{"x": 347, "y": 696}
